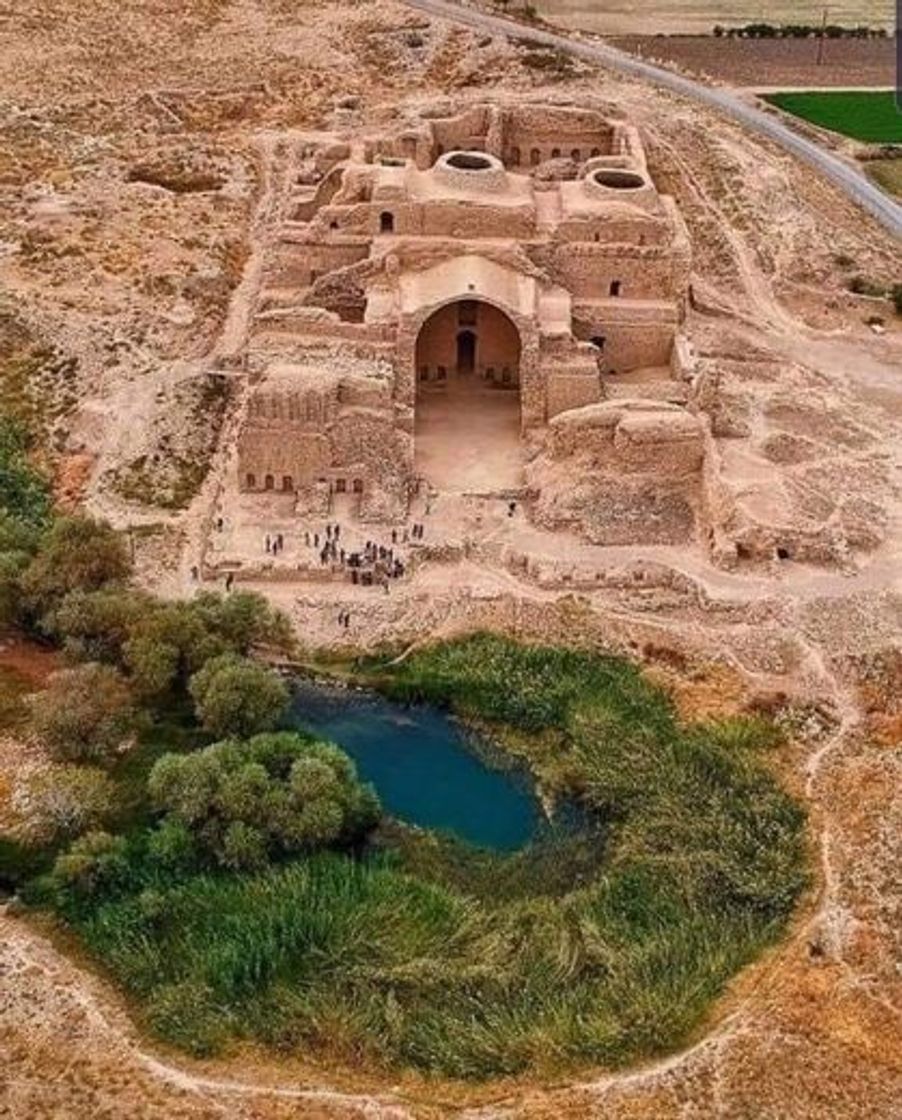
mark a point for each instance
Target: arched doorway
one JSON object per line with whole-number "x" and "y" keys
{"x": 467, "y": 436}
{"x": 466, "y": 352}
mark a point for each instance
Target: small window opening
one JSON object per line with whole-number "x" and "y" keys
{"x": 535, "y": 156}
{"x": 269, "y": 482}
{"x": 616, "y": 287}
{"x": 287, "y": 482}
{"x": 341, "y": 486}
{"x": 358, "y": 485}
{"x": 251, "y": 482}
{"x": 466, "y": 313}
{"x": 386, "y": 222}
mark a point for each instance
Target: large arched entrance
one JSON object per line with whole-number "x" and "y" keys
{"x": 468, "y": 399}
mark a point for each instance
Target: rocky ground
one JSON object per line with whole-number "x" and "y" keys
{"x": 131, "y": 187}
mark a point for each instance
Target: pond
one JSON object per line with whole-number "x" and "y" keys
{"x": 423, "y": 765}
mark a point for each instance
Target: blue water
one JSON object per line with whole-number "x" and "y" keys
{"x": 419, "y": 760}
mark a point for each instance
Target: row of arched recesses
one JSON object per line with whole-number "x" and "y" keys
{"x": 515, "y": 154}
{"x": 535, "y": 155}
{"x": 269, "y": 482}
{"x": 338, "y": 485}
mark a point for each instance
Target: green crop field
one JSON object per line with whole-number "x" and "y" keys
{"x": 871, "y": 116}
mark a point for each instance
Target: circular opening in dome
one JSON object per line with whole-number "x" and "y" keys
{"x": 469, "y": 161}
{"x": 618, "y": 180}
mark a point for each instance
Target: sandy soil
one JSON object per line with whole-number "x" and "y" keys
{"x": 146, "y": 285}
{"x": 468, "y": 438}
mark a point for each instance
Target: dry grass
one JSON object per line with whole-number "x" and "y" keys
{"x": 886, "y": 173}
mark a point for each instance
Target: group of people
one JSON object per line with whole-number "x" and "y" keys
{"x": 373, "y": 564}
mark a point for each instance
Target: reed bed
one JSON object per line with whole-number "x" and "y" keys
{"x": 690, "y": 862}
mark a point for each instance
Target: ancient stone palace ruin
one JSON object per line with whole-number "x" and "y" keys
{"x": 494, "y": 303}
{"x": 455, "y": 302}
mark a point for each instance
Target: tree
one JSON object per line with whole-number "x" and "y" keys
{"x": 77, "y": 553}
{"x": 167, "y": 645}
{"x": 162, "y": 644}
{"x": 64, "y": 801}
{"x": 84, "y": 713}
{"x": 95, "y": 625}
{"x": 243, "y": 620}
{"x": 246, "y": 802}
{"x": 236, "y": 696}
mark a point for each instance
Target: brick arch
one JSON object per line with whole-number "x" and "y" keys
{"x": 532, "y": 396}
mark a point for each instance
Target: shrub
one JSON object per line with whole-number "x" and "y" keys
{"x": 96, "y": 625}
{"x": 242, "y": 620}
{"x": 244, "y": 802}
{"x": 235, "y": 696}
{"x": 94, "y": 862}
{"x": 24, "y": 492}
{"x": 161, "y": 644}
{"x": 172, "y": 641}
{"x": 12, "y": 565}
{"x": 77, "y": 553}
{"x": 861, "y": 286}
{"x": 65, "y": 801}
{"x": 84, "y": 713}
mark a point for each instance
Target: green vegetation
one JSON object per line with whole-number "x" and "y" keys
{"x": 244, "y": 803}
{"x": 763, "y": 30}
{"x": 422, "y": 953}
{"x": 65, "y": 801}
{"x": 869, "y": 115}
{"x": 235, "y": 889}
{"x": 234, "y": 696}
{"x": 24, "y": 493}
{"x": 84, "y": 714}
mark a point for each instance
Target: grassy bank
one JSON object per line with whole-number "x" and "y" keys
{"x": 404, "y": 954}
{"x": 871, "y": 116}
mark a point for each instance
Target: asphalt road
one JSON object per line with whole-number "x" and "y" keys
{"x": 843, "y": 175}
